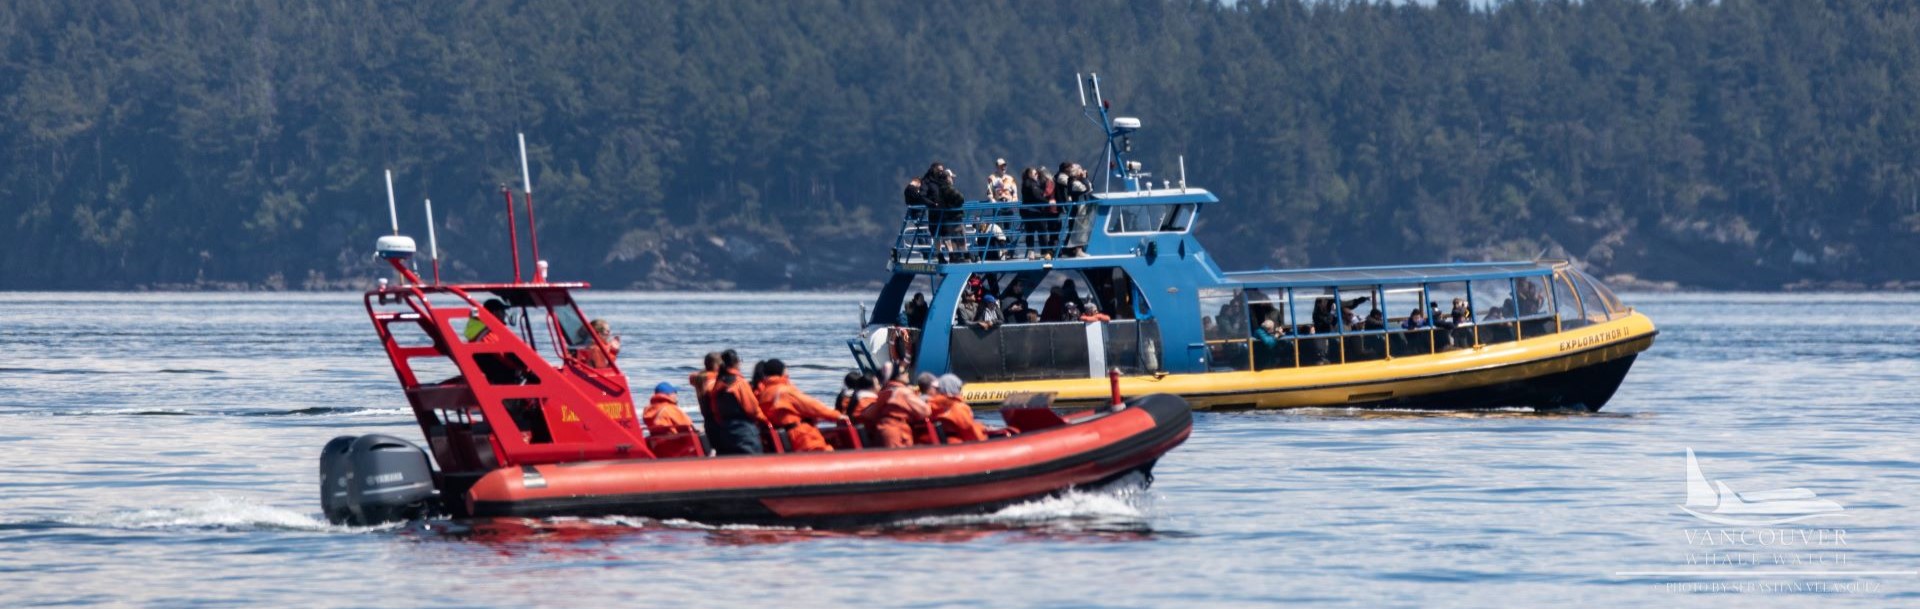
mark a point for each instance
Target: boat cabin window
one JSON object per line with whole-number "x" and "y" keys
{"x": 1317, "y": 315}
{"x": 1618, "y": 308}
{"x": 1047, "y": 327}
{"x": 1590, "y": 302}
{"x": 1409, "y": 320}
{"x": 1365, "y": 324}
{"x": 1261, "y": 328}
{"x": 546, "y": 321}
{"x": 1532, "y": 299}
{"x": 1565, "y": 305}
{"x": 1615, "y": 309}
{"x": 1123, "y": 219}
{"x": 1453, "y": 315}
{"x": 1495, "y": 303}
{"x": 1223, "y": 326}
{"x": 1269, "y": 315}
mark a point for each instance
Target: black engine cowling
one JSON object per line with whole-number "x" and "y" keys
{"x": 373, "y": 479}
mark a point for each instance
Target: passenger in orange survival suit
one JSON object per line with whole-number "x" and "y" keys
{"x": 856, "y": 396}
{"x": 736, "y": 410}
{"x": 664, "y": 409}
{"x": 699, "y": 381}
{"x": 897, "y": 407}
{"x": 599, "y": 354}
{"x": 952, "y": 413}
{"x": 789, "y": 409}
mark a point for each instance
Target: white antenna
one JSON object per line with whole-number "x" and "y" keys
{"x": 392, "y": 215}
{"x": 1183, "y": 174}
{"x": 1096, "y": 90}
{"x": 433, "y": 246}
{"x": 526, "y": 177}
{"x": 1081, "y": 85}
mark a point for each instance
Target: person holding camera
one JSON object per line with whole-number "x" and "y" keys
{"x": 944, "y": 213}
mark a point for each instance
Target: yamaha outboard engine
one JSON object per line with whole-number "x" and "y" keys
{"x": 373, "y": 479}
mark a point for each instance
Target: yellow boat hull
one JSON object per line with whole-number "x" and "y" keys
{"x": 1575, "y": 367}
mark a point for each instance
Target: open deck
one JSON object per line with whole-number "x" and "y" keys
{"x": 989, "y": 231}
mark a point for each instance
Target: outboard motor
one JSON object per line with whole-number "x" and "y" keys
{"x": 373, "y": 479}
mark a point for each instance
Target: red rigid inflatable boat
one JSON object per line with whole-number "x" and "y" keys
{"x": 848, "y": 485}
{"x": 536, "y": 421}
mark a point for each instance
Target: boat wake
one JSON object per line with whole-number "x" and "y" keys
{"x": 1118, "y": 511}
{"x": 1122, "y": 505}
{"x": 218, "y": 513}
{"x": 319, "y": 411}
{"x": 1511, "y": 412}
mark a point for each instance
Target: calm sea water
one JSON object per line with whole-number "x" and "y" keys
{"x": 161, "y": 450}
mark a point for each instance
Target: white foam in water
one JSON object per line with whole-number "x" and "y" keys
{"x": 95, "y": 412}
{"x": 218, "y": 512}
{"x": 1124, "y": 501}
{"x": 370, "y": 412}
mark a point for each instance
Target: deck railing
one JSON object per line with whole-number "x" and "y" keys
{"x": 982, "y": 231}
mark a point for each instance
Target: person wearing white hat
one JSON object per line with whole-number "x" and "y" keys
{"x": 1001, "y": 188}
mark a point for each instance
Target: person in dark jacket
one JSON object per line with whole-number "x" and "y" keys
{"x": 737, "y": 417}
{"x": 919, "y": 210}
{"x": 945, "y": 201}
{"x": 916, "y": 310}
{"x": 1035, "y": 210}
{"x": 1071, "y": 185}
{"x": 1326, "y": 320}
{"x": 916, "y": 195}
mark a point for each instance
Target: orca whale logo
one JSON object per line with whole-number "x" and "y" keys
{"x": 1713, "y": 501}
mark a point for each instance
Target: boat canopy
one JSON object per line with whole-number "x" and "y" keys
{"x": 1404, "y": 274}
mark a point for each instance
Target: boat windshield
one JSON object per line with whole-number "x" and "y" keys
{"x": 547, "y": 320}
{"x": 1162, "y": 218}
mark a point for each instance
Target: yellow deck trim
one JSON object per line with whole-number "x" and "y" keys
{"x": 1340, "y": 384}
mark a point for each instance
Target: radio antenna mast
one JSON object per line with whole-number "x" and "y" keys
{"x": 433, "y": 245}
{"x": 513, "y": 232}
{"x": 526, "y": 186}
{"x": 393, "y": 217}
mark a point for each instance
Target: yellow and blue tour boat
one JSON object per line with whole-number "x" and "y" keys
{"x": 1540, "y": 334}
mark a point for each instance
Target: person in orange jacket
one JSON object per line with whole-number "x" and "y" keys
{"x": 699, "y": 381}
{"x": 736, "y": 410}
{"x": 599, "y": 354}
{"x": 789, "y": 409}
{"x": 951, "y": 412}
{"x": 894, "y": 410}
{"x": 1091, "y": 313}
{"x": 664, "y": 409}
{"x": 856, "y": 395}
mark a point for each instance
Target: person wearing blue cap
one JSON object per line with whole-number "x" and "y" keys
{"x": 664, "y": 409}
{"x": 989, "y": 314}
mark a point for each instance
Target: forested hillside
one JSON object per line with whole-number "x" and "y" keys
{"x": 1736, "y": 144}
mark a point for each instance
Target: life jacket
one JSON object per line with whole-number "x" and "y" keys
{"x": 789, "y": 410}
{"x": 892, "y": 414}
{"x": 702, "y": 394}
{"x": 954, "y": 416}
{"x": 664, "y": 411}
{"x": 733, "y": 399}
{"x": 596, "y": 357}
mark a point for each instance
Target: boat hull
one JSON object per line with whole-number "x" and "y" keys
{"x": 846, "y": 486}
{"x": 1575, "y": 369}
